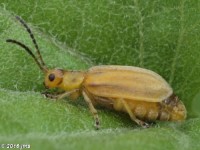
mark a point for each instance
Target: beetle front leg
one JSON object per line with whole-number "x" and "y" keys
{"x": 132, "y": 116}
{"x": 92, "y": 109}
{"x": 60, "y": 96}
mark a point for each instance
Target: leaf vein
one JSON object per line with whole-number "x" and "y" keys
{"x": 180, "y": 39}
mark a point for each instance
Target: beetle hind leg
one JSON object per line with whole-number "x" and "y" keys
{"x": 92, "y": 109}
{"x": 133, "y": 117}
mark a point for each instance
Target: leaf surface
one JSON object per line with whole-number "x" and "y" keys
{"x": 162, "y": 36}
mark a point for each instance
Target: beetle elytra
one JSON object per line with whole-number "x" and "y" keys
{"x": 142, "y": 94}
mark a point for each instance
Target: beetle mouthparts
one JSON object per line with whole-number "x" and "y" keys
{"x": 46, "y": 87}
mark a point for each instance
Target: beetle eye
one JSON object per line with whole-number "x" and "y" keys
{"x": 51, "y": 77}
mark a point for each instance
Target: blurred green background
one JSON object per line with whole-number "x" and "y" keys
{"x": 159, "y": 35}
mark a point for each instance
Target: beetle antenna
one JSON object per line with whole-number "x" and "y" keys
{"x": 32, "y": 37}
{"x": 42, "y": 67}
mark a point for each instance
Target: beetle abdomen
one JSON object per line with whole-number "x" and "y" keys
{"x": 170, "y": 109}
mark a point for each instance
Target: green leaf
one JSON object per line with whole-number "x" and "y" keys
{"x": 162, "y": 36}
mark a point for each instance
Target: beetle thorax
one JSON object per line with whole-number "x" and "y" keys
{"x": 72, "y": 80}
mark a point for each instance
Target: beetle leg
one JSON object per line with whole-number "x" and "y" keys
{"x": 92, "y": 109}
{"x": 60, "y": 96}
{"x": 132, "y": 116}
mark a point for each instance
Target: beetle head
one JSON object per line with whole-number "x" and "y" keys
{"x": 53, "y": 78}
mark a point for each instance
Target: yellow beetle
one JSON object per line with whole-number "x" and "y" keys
{"x": 141, "y": 93}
